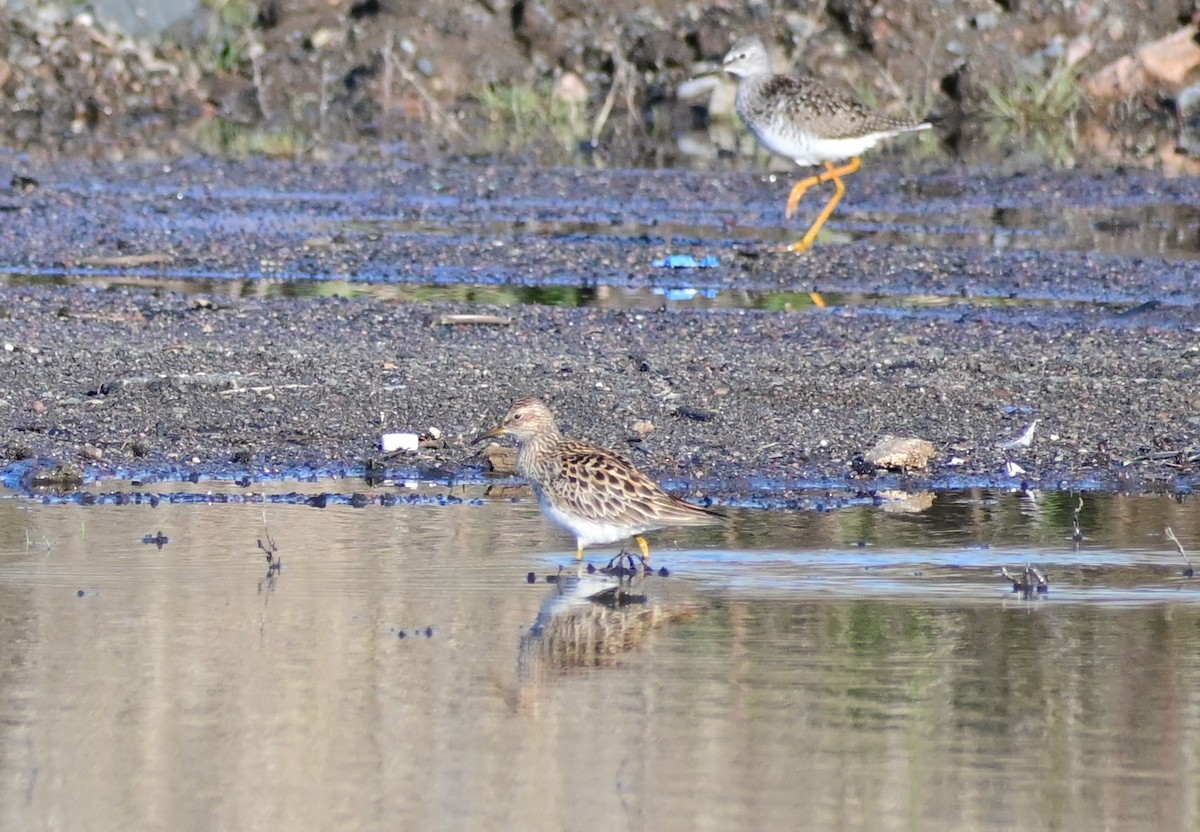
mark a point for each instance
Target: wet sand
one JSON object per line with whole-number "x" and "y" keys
{"x": 140, "y": 380}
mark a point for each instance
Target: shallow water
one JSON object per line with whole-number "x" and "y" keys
{"x": 490, "y": 234}
{"x": 861, "y": 668}
{"x": 680, "y": 296}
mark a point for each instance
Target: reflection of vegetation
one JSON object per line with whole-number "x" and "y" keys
{"x": 783, "y": 301}
{"x": 531, "y": 116}
{"x": 1041, "y": 114}
{"x": 225, "y": 138}
{"x": 227, "y": 33}
{"x": 566, "y": 296}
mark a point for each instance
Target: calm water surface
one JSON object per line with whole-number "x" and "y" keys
{"x": 861, "y": 669}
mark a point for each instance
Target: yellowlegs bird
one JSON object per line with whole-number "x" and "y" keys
{"x": 802, "y": 119}
{"x": 596, "y": 494}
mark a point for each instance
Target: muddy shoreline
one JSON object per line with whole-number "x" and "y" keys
{"x": 141, "y": 380}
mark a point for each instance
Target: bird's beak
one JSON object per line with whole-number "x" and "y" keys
{"x": 499, "y": 430}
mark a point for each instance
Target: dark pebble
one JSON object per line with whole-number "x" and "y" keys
{"x": 695, "y": 413}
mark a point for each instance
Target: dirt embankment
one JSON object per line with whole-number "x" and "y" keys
{"x": 368, "y": 72}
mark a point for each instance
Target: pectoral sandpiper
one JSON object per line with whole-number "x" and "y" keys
{"x": 802, "y": 119}
{"x": 594, "y": 493}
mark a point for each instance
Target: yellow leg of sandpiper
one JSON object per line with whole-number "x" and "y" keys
{"x": 798, "y": 191}
{"x": 579, "y": 552}
{"x": 644, "y": 546}
{"x": 833, "y": 175}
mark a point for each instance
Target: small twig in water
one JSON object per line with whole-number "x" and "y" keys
{"x": 271, "y": 550}
{"x": 1029, "y": 582}
{"x": 1189, "y": 571}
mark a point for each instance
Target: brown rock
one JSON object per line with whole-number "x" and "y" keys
{"x": 501, "y": 459}
{"x": 904, "y": 453}
{"x": 1165, "y": 61}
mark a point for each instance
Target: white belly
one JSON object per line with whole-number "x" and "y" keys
{"x": 590, "y": 532}
{"x": 807, "y": 149}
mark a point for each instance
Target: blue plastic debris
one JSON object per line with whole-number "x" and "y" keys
{"x": 686, "y": 294}
{"x": 686, "y": 261}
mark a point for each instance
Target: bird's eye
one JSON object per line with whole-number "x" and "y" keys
{"x": 517, "y": 417}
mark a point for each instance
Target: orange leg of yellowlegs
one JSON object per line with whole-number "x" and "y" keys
{"x": 798, "y": 192}
{"x": 831, "y": 174}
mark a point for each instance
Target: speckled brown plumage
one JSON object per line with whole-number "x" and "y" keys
{"x": 805, "y": 104}
{"x": 596, "y": 494}
{"x": 804, "y": 120}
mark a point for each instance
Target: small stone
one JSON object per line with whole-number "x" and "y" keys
{"x": 695, "y": 413}
{"x": 643, "y": 428}
{"x": 324, "y": 37}
{"x": 1187, "y": 108}
{"x": 390, "y": 442}
{"x": 985, "y": 21}
{"x": 570, "y": 89}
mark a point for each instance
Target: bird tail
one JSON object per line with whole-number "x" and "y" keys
{"x": 694, "y": 515}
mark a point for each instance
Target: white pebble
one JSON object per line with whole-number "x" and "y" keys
{"x": 399, "y": 442}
